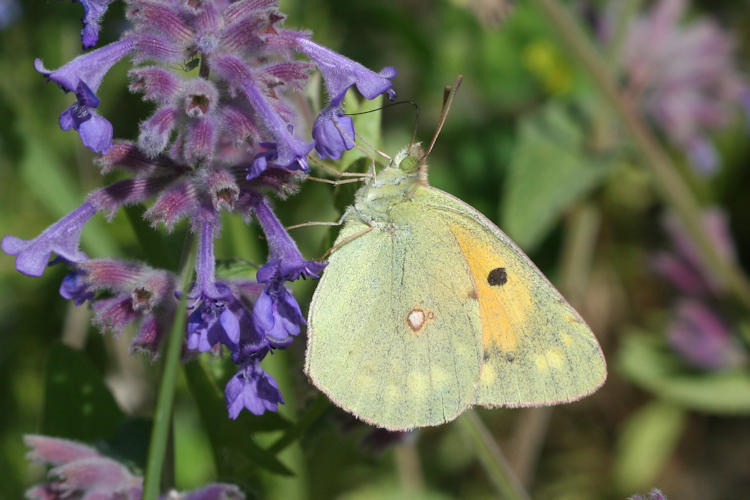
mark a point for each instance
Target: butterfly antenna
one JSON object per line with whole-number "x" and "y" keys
{"x": 448, "y": 95}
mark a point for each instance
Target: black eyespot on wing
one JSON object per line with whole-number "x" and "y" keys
{"x": 497, "y": 277}
{"x": 510, "y": 357}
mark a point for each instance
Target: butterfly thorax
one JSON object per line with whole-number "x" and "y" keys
{"x": 392, "y": 185}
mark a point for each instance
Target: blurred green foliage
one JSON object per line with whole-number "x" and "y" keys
{"x": 528, "y": 141}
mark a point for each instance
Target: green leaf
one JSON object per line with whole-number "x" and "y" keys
{"x": 644, "y": 361}
{"x": 77, "y": 403}
{"x": 237, "y": 456}
{"x": 647, "y": 440}
{"x": 548, "y": 172}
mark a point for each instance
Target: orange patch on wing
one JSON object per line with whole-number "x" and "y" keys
{"x": 504, "y": 308}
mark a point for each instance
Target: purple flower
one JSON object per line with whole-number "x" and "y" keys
{"x": 702, "y": 339}
{"x": 277, "y": 314}
{"x": 75, "y": 288}
{"x": 253, "y": 389}
{"x": 685, "y": 77}
{"x": 285, "y": 261}
{"x": 79, "y": 471}
{"x": 83, "y": 75}
{"x": 219, "y": 316}
{"x": 654, "y": 494}
{"x": 290, "y": 150}
{"x": 333, "y": 133}
{"x": 93, "y": 11}
{"x": 216, "y": 491}
{"x": 61, "y": 238}
{"x": 262, "y": 161}
{"x": 82, "y": 472}
{"x": 95, "y": 131}
{"x": 9, "y": 12}
{"x": 223, "y": 320}
{"x": 684, "y": 267}
{"x": 340, "y": 74}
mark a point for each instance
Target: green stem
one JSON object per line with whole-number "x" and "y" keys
{"x": 667, "y": 179}
{"x": 491, "y": 458}
{"x": 163, "y": 413}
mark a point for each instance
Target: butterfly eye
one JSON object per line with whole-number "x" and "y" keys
{"x": 409, "y": 164}
{"x": 497, "y": 277}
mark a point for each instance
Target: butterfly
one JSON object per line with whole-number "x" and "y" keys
{"x": 426, "y": 309}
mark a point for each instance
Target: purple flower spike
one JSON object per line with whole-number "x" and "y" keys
{"x": 93, "y": 11}
{"x": 81, "y": 472}
{"x": 277, "y": 314}
{"x": 254, "y": 389}
{"x": 340, "y": 72}
{"x": 285, "y": 260}
{"x": 61, "y": 238}
{"x": 333, "y": 133}
{"x": 95, "y": 131}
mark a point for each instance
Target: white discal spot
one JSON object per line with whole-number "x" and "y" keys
{"x": 416, "y": 319}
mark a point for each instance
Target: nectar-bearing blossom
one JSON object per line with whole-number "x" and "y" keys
{"x": 83, "y": 75}
{"x": 685, "y": 78}
{"x": 227, "y": 134}
{"x": 700, "y": 329}
{"x": 79, "y": 471}
{"x": 93, "y": 11}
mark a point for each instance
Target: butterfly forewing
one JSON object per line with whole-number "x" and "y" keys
{"x": 536, "y": 348}
{"x": 394, "y": 330}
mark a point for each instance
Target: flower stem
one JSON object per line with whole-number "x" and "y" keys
{"x": 163, "y": 412}
{"x": 667, "y": 179}
{"x": 491, "y": 458}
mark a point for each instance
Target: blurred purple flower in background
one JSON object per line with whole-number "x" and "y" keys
{"x": 80, "y": 472}
{"x": 654, "y": 494}
{"x": 228, "y": 138}
{"x": 700, "y": 336}
{"x": 699, "y": 330}
{"x": 685, "y": 78}
{"x": 9, "y": 12}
